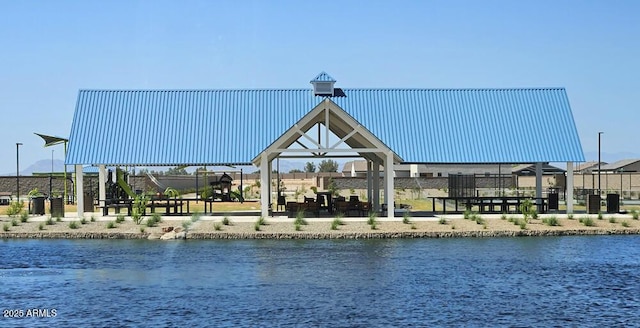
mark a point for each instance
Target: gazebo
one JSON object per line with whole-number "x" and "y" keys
{"x": 382, "y": 126}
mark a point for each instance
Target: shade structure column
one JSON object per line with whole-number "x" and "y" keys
{"x": 538, "y": 184}
{"x": 102, "y": 184}
{"x": 264, "y": 186}
{"x": 369, "y": 181}
{"x": 389, "y": 186}
{"x": 376, "y": 186}
{"x": 569, "y": 185}
{"x": 79, "y": 190}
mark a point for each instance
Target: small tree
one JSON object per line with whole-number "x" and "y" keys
{"x": 328, "y": 165}
{"x": 310, "y": 167}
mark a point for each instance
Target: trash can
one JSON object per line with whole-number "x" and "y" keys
{"x": 593, "y": 204}
{"x": 57, "y": 207}
{"x": 553, "y": 201}
{"x": 37, "y": 205}
{"x": 613, "y": 203}
{"x": 88, "y": 202}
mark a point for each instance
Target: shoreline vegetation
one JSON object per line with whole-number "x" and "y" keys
{"x": 253, "y": 227}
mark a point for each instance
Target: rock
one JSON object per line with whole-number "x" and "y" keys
{"x": 169, "y": 236}
{"x": 181, "y": 235}
{"x": 167, "y": 229}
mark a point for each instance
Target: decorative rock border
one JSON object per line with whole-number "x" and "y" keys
{"x": 327, "y": 235}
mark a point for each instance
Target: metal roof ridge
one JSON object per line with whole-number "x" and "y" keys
{"x": 456, "y": 89}
{"x": 309, "y": 89}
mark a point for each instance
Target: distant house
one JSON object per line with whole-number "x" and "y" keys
{"x": 358, "y": 168}
{"x": 588, "y": 167}
{"x": 530, "y": 169}
{"x": 625, "y": 165}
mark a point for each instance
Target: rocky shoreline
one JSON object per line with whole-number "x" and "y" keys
{"x": 316, "y": 235}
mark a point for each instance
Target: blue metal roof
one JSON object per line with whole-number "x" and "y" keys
{"x": 173, "y": 127}
{"x": 323, "y": 77}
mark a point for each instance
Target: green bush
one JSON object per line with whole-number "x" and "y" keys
{"x": 226, "y": 221}
{"x": 442, "y": 221}
{"x": 406, "y": 217}
{"x": 119, "y": 218}
{"x": 503, "y": 216}
{"x": 217, "y": 226}
{"x": 413, "y": 226}
{"x": 24, "y": 216}
{"x": 587, "y": 221}
{"x": 5, "y": 227}
{"x": 141, "y": 229}
{"x": 625, "y": 224}
{"x": 551, "y": 221}
{"x": 372, "y": 219}
{"x": 156, "y": 217}
{"x": 150, "y": 222}
{"x": 93, "y": 218}
{"x": 83, "y": 221}
{"x": 635, "y": 214}
{"x": 196, "y": 216}
{"x": 261, "y": 221}
{"x": 257, "y": 225}
{"x": 41, "y": 226}
{"x": 49, "y": 221}
{"x": 570, "y": 217}
{"x": 73, "y": 225}
{"x": 523, "y": 224}
{"x": 58, "y": 219}
{"x": 297, "y": 226}
{"x": 111, "y": 225}
{"x": 612, "y": 219}
{"x": 599, "y": 216}
{"x": 14, "y": 222}
{"x": 15, "y": 208}
{"x": 139, "y": 208}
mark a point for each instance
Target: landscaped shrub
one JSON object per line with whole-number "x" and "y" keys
{"x": 406, "y": 217}
{"x": 551, "y": 221}
{"x": 5, "y": 227}
{"x": 442, "y": 221}
{"x": 119, "y": 218}
{"x": 24, "y": 216}
{"x": 335, "y": 223}
{"x": 625, "y": 224}
{"x": 14, "y": 222}
{"x": 300, "y": 219}
{"x": 612, "y": 219}
{"x": 261, "y": 221}
{"x": 111, "y": 225}
{"x": 226, "y": 221}
{"x": 587, "y": 221}
{"x": 217, "y": 226}
{"x": 15, "y": 208}
{"x": 73, "y": 225}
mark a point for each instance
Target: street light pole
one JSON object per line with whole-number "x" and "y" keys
{"x": 18, "y": 144}
{"x": 599, "y": 162}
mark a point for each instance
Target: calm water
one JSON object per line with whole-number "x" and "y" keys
{"x": 559, "y": 281}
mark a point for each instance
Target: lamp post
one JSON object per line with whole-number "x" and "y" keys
{"x": 599, "y": 162}
{"x": 51, "y": 176}
{"x": 18, "y": 144}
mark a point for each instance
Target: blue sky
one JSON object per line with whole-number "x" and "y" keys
{"x": 51, "y": 49}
